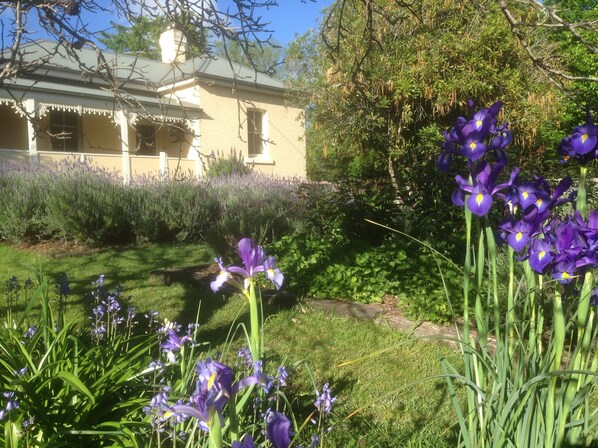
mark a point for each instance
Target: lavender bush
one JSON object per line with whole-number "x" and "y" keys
{"x": 72, "y": 200}
{"x": 88, "y": 204}
{"x": 23, "y": 198}
{"x": 232, "y": 164}
{"x": 262, "y": 206}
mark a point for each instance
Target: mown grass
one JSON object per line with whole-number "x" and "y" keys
{"x": 398, "y": 406}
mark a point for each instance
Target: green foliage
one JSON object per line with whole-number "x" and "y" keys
{"x": 358, "y": 271}
{"x": 142, "y": 36}
{"x": 22, "y": 205}
{"x": 89, "y": 205}
{"x": 231, "y": 165}
{"x": 263, "y": 57}
{"x": 376, "y": 97}
{"x": 70, "y": 390}
{"x": 576, "y": 58}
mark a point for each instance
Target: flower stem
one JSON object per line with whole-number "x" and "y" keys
{"x": 558, "y": 338}
{"x": 580, "y": 203}
{"x": 254, "y": 323}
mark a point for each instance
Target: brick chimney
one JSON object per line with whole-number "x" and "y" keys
{"x": 173, "y": 45}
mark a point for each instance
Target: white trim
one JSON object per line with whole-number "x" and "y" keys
{"x": 124, "y": 144}
{"x": 31, "y": 109}
{"x": 258, "y": 160}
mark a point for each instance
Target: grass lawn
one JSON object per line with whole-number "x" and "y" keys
{"x": 399, "y": 409}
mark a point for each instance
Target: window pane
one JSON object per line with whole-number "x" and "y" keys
{"x": 254, "y": 132}
{"x": 64, "y": 130}
{"x": 146, "y": 140}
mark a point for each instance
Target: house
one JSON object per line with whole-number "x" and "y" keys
{"x": 144, "y": 117}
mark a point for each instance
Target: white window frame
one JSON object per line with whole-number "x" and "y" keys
{"x": 264, "y": 156}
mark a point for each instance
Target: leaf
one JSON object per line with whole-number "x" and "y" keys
{"x": 76, "y": 383}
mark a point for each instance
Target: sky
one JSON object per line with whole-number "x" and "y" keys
{"x": 292, "y": 17}
{"x": 289, "y": 18}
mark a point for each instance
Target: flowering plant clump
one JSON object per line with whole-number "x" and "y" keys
{"x": 243, "y": 279}
{"x": 222, "y": 408}
{"x": 108, "y": 313}
{"x": 508, "y": 387}
{"x": 211, "y": 403}
{"x": 58, "y": 383}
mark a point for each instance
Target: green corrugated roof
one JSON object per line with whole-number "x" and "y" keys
{"x": 145, "y": 74}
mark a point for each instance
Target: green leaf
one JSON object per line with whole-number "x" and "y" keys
{"x": 76, "y": 383}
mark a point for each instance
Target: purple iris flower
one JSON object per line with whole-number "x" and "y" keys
{"x": 246, "y": 443}
{"x": 214, "y": 388}
{"x": 473, "y": 148}
{"x": 519, "y": 235}
{"x": 567, "y": 242}
{"x": 255, "y": 261}
{"x": 584, "y": 138}
{"x": 174, "y": 342}
{"x": 588, "y": 234}
{"x": 545, "y": 198}
{"x": 282, "y": 376}
{"x": 278, "y": 429}
{"x": 582, "y": 144}
{"x": 527, "y": 194}
{"x": 499, "y": 143}
{"x": 481, "y": 192}
{"x": 540, "y": 255}
{"x": 564, "y": 272}
{"x": 473, "y": 138}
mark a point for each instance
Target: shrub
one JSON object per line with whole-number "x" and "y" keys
{"x": 22, "y": 202}
{"x": 191, "y": 208}
{"x": 147, "y": 202}
{"x": 342, "y": 209}
{"x": 262, "y": 206}
{"x": 88, "y": 204}
{"x": 231, "y": 165}
{"x": 359, "y": 271}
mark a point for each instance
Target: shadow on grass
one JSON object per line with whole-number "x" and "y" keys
{"x": 230, "y": 329}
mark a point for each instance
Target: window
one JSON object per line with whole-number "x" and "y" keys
{"x": 64, "y": 130}
{"x": 255, "y": 132}
{"x": 146, "y": 140}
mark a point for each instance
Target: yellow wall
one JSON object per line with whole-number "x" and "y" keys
{"x": 100, "y": 134}
{"x": 164, "y": 142}
{"x": 17, "y": 137}
{"x": 223, "y": 127}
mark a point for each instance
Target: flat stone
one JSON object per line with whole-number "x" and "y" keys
{"x": 348, "y": 309}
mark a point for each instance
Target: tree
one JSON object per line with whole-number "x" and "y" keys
{"x": 265, "y": 58}
{"x": 142, "y": 37}
{"x": 386, "y": 76}
{"x": 561, "y": 39}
